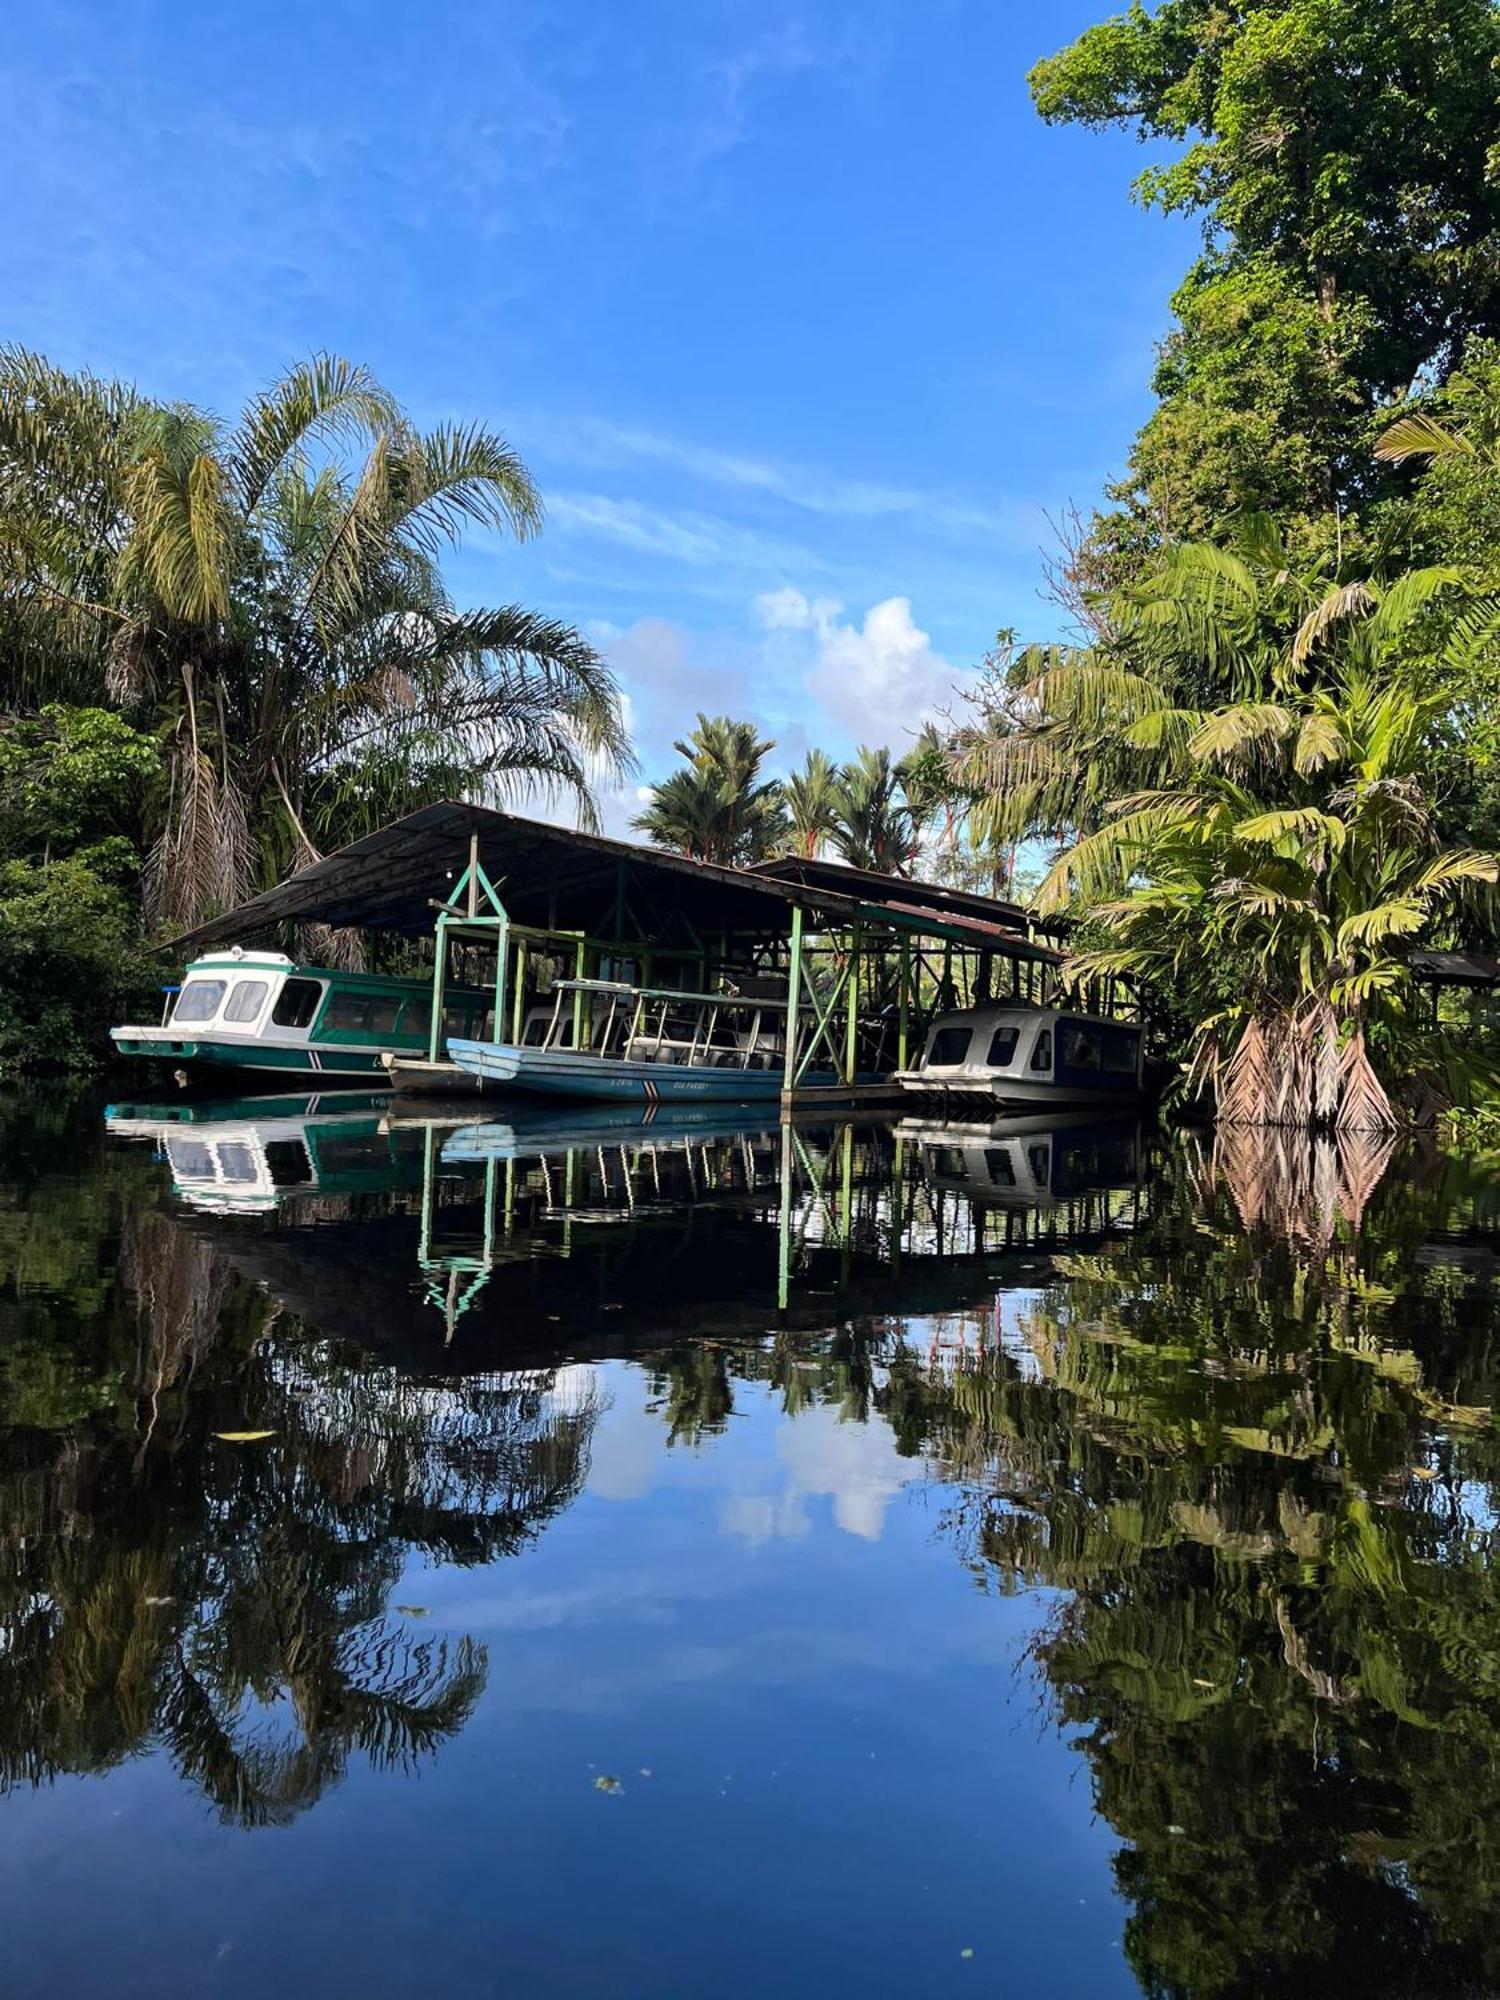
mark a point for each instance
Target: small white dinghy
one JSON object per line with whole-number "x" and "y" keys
{"x": 1029, "y": 1056}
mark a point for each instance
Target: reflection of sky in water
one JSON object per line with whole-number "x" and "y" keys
{"x": 735, "y": 1686}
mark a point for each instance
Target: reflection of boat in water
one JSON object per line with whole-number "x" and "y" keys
{"x": 1020, "y": 1056}
{"x": 1028, "y": 1162}
{"x": 526, "y": 1132}
{"x": 249, "y": 1155}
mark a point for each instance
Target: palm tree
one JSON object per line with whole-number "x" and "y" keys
{"x": 811, "y": 800}
{"x": 718, "y": 808}
{"x": 1276, "y": 872}
{"x": 874, "y": 827}
{"x": 269, "y": 597}
{"x": 1240, "y": 778}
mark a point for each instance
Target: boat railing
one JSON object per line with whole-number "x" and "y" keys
{"x": 667, "y": 1025}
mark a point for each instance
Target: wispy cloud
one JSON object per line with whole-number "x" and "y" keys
{"x": 603, "y": 445}
{"x": 700, "y": 540}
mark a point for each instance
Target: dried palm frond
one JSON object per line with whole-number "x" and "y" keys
{"x": 130, "y": 674}
{"x": 1363, "y": 1103}
{"x": 340, "y": 947}
{"x": 1248, "y": 1079}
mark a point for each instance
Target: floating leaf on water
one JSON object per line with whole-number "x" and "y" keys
{"x": 243, "y": 1437}
{"x": 645, "y": 1770}
{"x": 412, "y": 1610}
{"x": 605, "y": 1783}
{"x": 967, "y": 1952}
{"x": 1423, "y": 1472}
{"x": 154, "y": 1601}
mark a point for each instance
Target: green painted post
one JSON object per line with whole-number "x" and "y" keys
{"x": 784, "y": 1220}
{"x": 793, "y": 1003}
{"x": 519, "y": 1000}
{"x": 439, "y": 978}
{"x": 502, "y": 958}
{"x": 851, "y": 1018}
{"x": 578, "y": 970}
{"x": 903, "y": 1029}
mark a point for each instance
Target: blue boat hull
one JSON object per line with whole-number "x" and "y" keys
{"x": 563, "y": 1073}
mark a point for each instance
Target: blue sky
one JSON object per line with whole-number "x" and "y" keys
{"x": 802, "y": 318}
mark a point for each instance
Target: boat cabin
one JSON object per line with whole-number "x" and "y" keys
{"x": 1028, "y": 1055}
{"x": 260, "y": 1011}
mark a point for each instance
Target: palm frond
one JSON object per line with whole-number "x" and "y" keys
{"x": 323, "y": 397}
{"x": 1418, "y": 435}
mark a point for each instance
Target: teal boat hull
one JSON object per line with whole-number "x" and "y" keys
{"x": 308, "y": 1062}
{"x": 564, "y": 1073}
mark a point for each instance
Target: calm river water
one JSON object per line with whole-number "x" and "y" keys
{"x": 541, "y": 1557}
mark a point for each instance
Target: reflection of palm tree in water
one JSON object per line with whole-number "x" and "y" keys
{"x": 231, "y": 1600}
{"x": 1262, "y": 1467}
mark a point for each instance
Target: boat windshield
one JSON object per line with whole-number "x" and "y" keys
{"x": 199, "y": 1000}
{"x": 666, "y": 1025}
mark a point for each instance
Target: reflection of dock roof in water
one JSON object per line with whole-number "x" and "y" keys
{"x": 558, "y": 879}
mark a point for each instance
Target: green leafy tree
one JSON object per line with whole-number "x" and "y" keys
{"x": 1340, "y": 156}
{"x": 73, "y": 789}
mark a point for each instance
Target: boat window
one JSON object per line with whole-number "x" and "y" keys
{"x": 381, "y": 1014}
{"x": 246, "y": 1001}
{"x": 1122, "y": 1047}
{"x": 458, "y": 1022}
{"x": 1003, "y": 1047}
{"x": 199, "y": 1000}
{"x": 297, "y": 1002}
{"x": 416, "y": 1018}
{"x": 1041, "y": 1055}
{"x": 997, "y": 1160}
{"x": 237, "y": 1163}
{"x": 950, "y": 1046}
{"x": 1039, "y": 1159}
{"x": 1081, "y": 1047}
{"x": 191, "y": 1160}
{"x": 288, "y": 1163}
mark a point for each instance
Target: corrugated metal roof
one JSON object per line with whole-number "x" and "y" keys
{"x": 555, "y": 878}
{"x": 1456, "y": 968}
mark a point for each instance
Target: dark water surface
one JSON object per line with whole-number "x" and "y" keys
{"x": 712, "y": 1560}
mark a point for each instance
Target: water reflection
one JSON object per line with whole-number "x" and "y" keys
{"x": 1217, "y": 1424}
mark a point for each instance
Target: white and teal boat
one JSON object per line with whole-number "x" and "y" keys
{"x": 263, "y": 1015}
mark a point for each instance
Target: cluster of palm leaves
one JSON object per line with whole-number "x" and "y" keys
{"x": 871, "y": 812}
{"x": 267, "y": 598}
{"x": 1240, "y": 776}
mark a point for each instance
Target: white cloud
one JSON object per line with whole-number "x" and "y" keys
{"x": 880, "y": 679}
{"x": 855, "y": 1465}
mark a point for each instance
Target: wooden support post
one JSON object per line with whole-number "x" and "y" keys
{"x": 793, "y": 1003}
{"x": 439, "y": 981}
{"x": 578, "y": 973}
{"x": 518, "y": 999}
